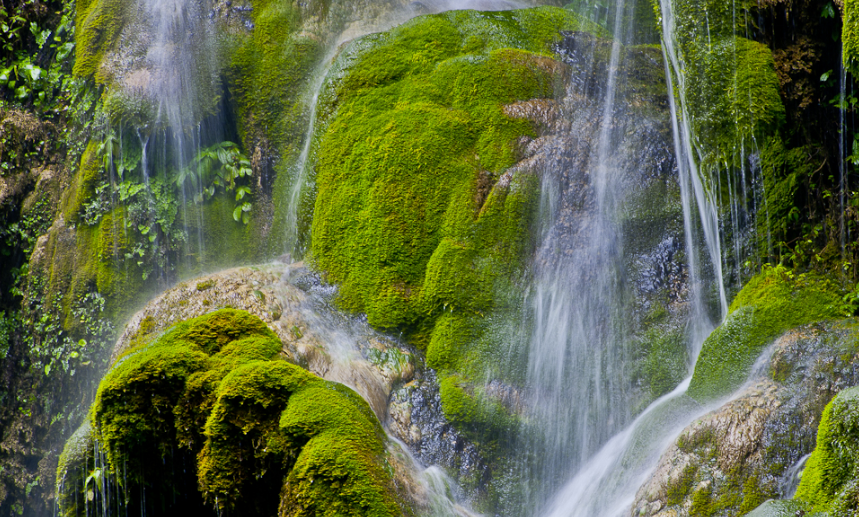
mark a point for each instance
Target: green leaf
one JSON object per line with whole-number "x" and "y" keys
{"x": 47, "y": 369}
{"x": 828, "y": 11}
{"x": 246, "y": 207}
{"x": 241, "y": 192}
{"x": 237, "y": 213}
{"x": 825, "y": 76}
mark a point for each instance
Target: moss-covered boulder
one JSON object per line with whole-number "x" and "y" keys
{"x": 830, "y": 482}
{"x": 420, "y": 216}
{"x": 412, "y": 216}
{"x": 210, "y": 404}
{"x": 773, "y": 302}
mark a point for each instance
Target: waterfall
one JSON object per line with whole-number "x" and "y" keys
{"x": 579, "y": 349}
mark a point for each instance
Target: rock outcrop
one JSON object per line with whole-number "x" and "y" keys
{"x": 753, "y": 448}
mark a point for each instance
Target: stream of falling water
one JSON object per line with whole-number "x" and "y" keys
{"x": 579, "y": 348}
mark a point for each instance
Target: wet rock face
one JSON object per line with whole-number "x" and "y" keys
{"x": 416, "y": 418}
{"x": 753, "y": 447}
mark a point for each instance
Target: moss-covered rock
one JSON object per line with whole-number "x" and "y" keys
{"x": 417, "y": 217}
{"x": 98, "y": 24}
{"x": 417, "y": 130}
{"x": 830, "y": 482}
{"x": 770, "y": 304}
{"x": 257, "y": 434}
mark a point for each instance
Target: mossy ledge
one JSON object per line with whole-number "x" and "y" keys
{"x": 210, "y": 404}
{"x": 773, "y": 302}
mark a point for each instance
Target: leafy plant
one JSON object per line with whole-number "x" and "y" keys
{"x": 219, "y": 167}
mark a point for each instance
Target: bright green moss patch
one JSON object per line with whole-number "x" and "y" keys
{"x": 97, "y": 26}
{"x": 770, "y": 304}
{"x": 850, "y": 36}
{"x": 829, "y": 481}
{"x": 417, "y": 126}
{"x": 259, "y": 433}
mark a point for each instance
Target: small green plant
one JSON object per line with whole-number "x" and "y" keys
{"x": 220, "y": 167}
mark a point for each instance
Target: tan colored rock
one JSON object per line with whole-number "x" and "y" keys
{"x": 329, "y": 344}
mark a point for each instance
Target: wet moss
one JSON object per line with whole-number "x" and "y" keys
{"x": 84, "y": 183}
{"x": 97, "y": 27}
{"x": 415, "y": 121}
{"x": 830, "y": 477}
{"x": 850, "y": 36}
{"x": 774, "y": 301}
{"x": 260, "y": 432}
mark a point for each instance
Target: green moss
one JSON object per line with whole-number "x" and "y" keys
{"x": 84, "y": 183}
{"x": 662, "y": 362}
{"x": 733, "y": 98}
{"x": 702, "y": 502}
{"x": 830, "y": 475}
{"x": 679, "y": 488}
{"x": 97, "y": 26}
{"x": 223, "y": 242}
{"x": 753, "y": 495}
{"x": 850, "y": 36}
{"x": 482, "y": 419}
{"x": 416, "y": 124}
{"x": 258, "y": 430}
{"x": 770, "y": 304}
{"x": 732, "y": 92}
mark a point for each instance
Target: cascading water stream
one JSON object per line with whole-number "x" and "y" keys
{"x": 578, "y": 349}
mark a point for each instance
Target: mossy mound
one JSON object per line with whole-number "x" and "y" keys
{"x": 211, "y": 404}
{"x": 417, "y": 217}
{"x": 830, "y": 482}
{"x": 416, "y": 132}
{"x": 770, "y": 304}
